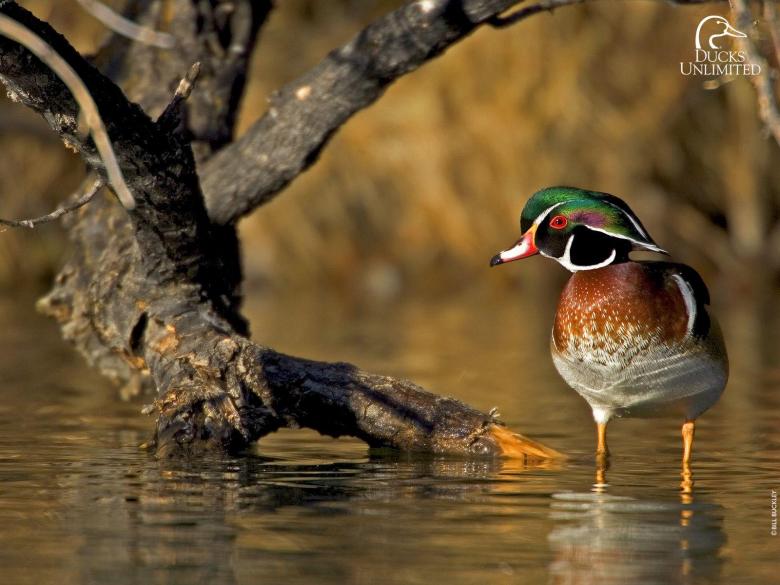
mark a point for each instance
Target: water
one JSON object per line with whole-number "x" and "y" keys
{"x": 81, "y": 503}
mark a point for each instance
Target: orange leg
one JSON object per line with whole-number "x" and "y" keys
{"x": 687, "y": 475}
{"x": 602, "y": 465}
{"x": 687, "y": 435}
{"x": 602, "y": 456}
{"x": 601, "y": 447}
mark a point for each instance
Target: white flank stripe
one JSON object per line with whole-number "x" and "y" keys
{"x": 688, "y": 298}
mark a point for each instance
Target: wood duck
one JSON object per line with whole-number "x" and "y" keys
{"x": 633, "y": 338}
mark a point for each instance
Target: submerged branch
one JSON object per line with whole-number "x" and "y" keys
{"x": 247, "y": 391}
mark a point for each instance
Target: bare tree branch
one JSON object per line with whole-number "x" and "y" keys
{"x": 768, "y": 107}
{"x": 170, "y": 117}
{"x": 79, "y": 201}
{"x": 773, "y": 23}
{"x": 170, "y": 223}
{"x": 127, "y": 28}
{"x": 14, "y": 30}
{"x": 525, "y": 12}
{"x": 304, "y": 114}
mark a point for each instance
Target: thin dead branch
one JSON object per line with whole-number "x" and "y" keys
{"x": 127, "y": 28}
{"x": 21, "y": 34}
{"x": 172, "y": 114}
{"x": 546, "y": 6}
{"x": 77, "y": 201}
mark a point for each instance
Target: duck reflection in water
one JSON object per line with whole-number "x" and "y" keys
{"x": 604, "y": 538}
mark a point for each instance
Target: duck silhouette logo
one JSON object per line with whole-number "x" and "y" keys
{"x": 724, "y": 29}
{"x": 712, "y": 58}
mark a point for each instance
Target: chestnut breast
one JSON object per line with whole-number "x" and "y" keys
{"x": 613, "y": 313}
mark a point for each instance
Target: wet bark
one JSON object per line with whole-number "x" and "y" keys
{"x": 151, "y": 296}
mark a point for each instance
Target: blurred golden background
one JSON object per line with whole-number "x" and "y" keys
{"x": 417, "y": 192}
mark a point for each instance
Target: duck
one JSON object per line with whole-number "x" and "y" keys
{"x": 634, "y": 338}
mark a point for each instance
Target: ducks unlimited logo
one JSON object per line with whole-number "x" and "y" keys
{"x": 711, "y": 59}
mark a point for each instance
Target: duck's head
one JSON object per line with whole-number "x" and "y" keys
{"x": 582, "y": 230}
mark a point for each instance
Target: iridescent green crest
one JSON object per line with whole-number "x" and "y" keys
{"x": 595, "y": 210}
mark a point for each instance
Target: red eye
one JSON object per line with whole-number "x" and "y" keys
{"x": 558, "y": 222}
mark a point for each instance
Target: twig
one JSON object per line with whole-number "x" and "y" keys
{"x": 21, "y": 34}
{"x": 127, "y": 28}
{"x": 550, "y": 5}
{"x": 184, "y": 89}
{"x": 82, "y": 200}
{"x": 517, "y": 16}
{"x": 171, "y": 114}
{"x": 767, "y": 99}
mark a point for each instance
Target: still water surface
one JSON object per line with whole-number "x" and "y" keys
{"x": 81, "y": 503}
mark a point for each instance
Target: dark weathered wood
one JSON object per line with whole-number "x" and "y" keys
{"x": 149, "y": 294}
